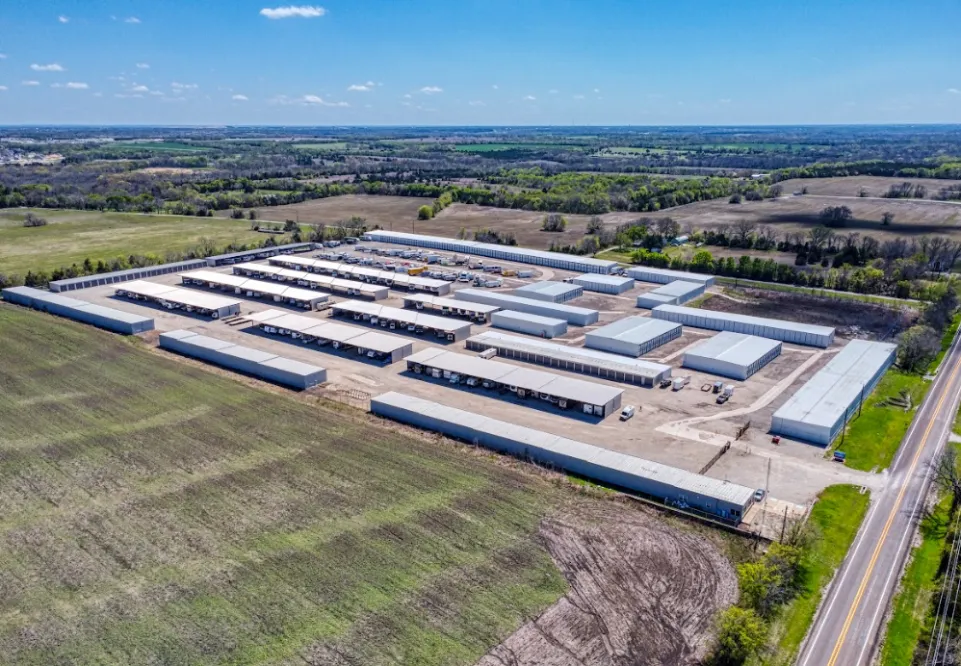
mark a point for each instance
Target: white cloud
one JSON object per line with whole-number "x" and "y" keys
{"x": 578, "y": 96}
{"x": 2, "y": 88}
{"x": 52, "y": 67}
{"x": 71, "y": 86}
{"x": 361, "y": 87}
{"x": 529, "y": 98}
{"x": 30, "y": 83}
{"x": 143, "y": 65}
{"x": 140, "y": 89}
{"x": 314, "y": 100}
{"x": 157, "y": 93}
{"x": 954, "y": 91}
{"x": 3, "y": 56}
{"x": 476, "y": 102}
{"x": 184, "y": 86}
{"x": 292, "y": 11}
{"x": 131, "y": 19}
{"x": 63, "y": 19}
{"x": 495, "y": 87}
{"x": 239, "y": 98}
{"x": 552, "y": 91}
{"x": 430, "y": 90}
{"x": 125, "y": 96}
{"x": 725, "y": 100}
{"x": 98, "y": 94}
{"x": 597, "y": 90}
{"x": 407, "y": 96}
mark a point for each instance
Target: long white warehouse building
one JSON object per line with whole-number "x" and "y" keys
{"x": 506, "y": 252}
{"x": 666, "y": 275}
{"x": 776, "y": 329}
{"x": 570, "y": 313}
{"x": 818, "y": 411}
{"x": 677, "y": 487}
{"x": 632, "y": 336}
{"x": 733, "y": 355}
{"x": 672, "y": 293}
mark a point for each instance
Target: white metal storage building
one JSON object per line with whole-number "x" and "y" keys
{"x": 521, "y": 322}
{"x": 570, "y": 313}
{"x": 605, "y": 284}
{"x": 550, "y": 291}
{"x": 673, "y": 293}
{"x": 477, "y": 312}
{"x": 86, "y": 281}
{"x": 632, "y": 336}
{"x": 733, "y": 355}
{"x": 250, "y": 288}
{"x": 572, "y": 359}
{"x": 175, "y": 298}
{"x": 666, "y": 276}
{"x": 313, "y": 280}
{"x": 391, "y": 279}
{"x": 820, "y": 408}
{"x": 673, "y": 486}
{"x": 776, "y": 329}
{"x": 255, "y": 362}
{"x": 506, "y": 252}
{"x": 400, "y": 319}
{"x": 371, "y": 344}
{"x": 106, "y": 318}
{"x": 258, "y": 253}
{"x": 566, "y": 392}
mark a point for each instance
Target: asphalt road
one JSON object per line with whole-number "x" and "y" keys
{"x": 847, "y": 627}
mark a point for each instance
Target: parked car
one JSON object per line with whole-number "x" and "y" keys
{"x": 759, "y": 494}
{"x": 628, "y": 412}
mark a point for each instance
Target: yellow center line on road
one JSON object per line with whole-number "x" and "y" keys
{"x": 887, "y": 525}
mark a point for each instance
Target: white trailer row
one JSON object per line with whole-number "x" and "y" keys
{"x": 106, "y": 318}
{"x": 175, "y": 298}
{"x": 250, "y": 288}
{"x": 339, "y": 286}
{"x": 392, "y": 279}
{"x": 569, "y": 313}
{"x": 402, "y": 320}
{"x": 476, "y": 312}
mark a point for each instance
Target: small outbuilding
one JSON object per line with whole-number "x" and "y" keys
{"x": 550, "y": 291}
{"x": 604, "y": 284}
{"x": 521, "y": 322}
{"x": 733, "y": 355}
{"x": 632, "y": 336}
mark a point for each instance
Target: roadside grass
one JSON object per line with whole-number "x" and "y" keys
{"x": 158, "y": 512}
{"x": 872, "y": 439}
{"x": 836, "y": 517}
{"x": 822, "y": 293}
{"x": 72, "y": 236}
{"x": 946, "y": 339}
{"x": 912, "y": 605}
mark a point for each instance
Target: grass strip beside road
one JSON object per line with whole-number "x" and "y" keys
{"x": 836, "y": 517}
{"x": 912, "y": 605}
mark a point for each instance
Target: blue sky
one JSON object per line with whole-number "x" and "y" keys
{"x": 464, "y": 62}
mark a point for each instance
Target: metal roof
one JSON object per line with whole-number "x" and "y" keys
{"x": 813, "y": 329}
{"x": 454, "y": 304}
{"x": 177, "y": 295}
{"x": 262, "y": 251}
{"x": 512, "y": 375}
{"x": 510, "y": 299}
{"x": 676, "y": 289}
{"x": 330, "y": 330}
{"x": 401, "y": 315}
{"x": 830, "y": 392}
{"x": 635, "y": 330}
{"x": 731, "y": 347}
{"x": 600, "y": 278}
{"x": 489, "y": 249}
{"x": 129, "y": 273}
{"x": 112, "y": 313}
{"x": 547, "y": 288}
{"x": 378, "y": 342}
{"x": 533, "y": 318}
{"x": 621, "y": 462}
{"x": 581, "y": 355}
{"x": 258, "y": 286}
{"x": 643, "y": 272}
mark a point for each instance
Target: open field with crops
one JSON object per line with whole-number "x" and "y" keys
{"x": 72, "y": 236}
{"x": 384, "y": 211}
{"x": 156, "y": 512}
{"x": 852, "y": 186}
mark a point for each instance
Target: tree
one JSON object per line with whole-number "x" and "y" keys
{"x": 425, "y": 212}
{"x": 702, "y": 262}
{"x": 668, "y": 228}
{"x": 836, "y": 216}
{"x": 917, "y": 347}
{"x": 735, "y": 198}
{"x": 941, "y": 309}
{"x": 741, "y": 633}
{"x": 742, "y": 232}
{"x": 554, "y": 222}
{"x": 820, "y": 237}
{"x": 594, "y": 225}
{"x": 887, "y": 218}
{"x": 31, "y": 220}
{"x": 946, "y": 473}
{"x": 252, "y": 215}
{"x": 290, "y": 226}
{"x": 774, "y": 191}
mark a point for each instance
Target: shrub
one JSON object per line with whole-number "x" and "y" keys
{"x": 425, "y": 212}
{"x": 32, "y": 220}
{"x": 554, "y": 222}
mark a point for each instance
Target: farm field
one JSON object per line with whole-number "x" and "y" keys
{"x": 172, "y": 146}
{"x": 912, "y": 217}
{"x": 378, "y": 210}
{"x": 161, "y": 513}
{"x": 851, "y": 186}
{"x": 72, "y": 236}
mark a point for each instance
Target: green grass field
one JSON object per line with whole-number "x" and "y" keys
{"x": 325, "y": 145}
{"x": 493, "y": 147}
{"x": 164, "y": 146}
{"x": 72, "y": 236}
{"x": 836, "y": 518}
{"x": 155, "y": 512}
